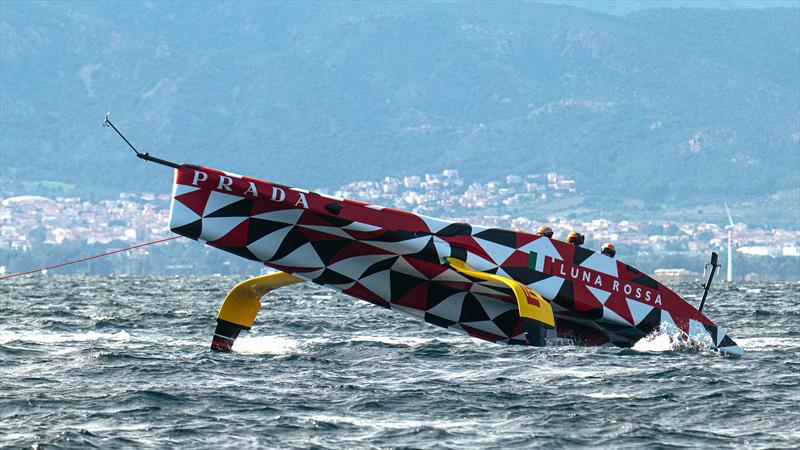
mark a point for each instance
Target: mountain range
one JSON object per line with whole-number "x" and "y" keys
{"x": 665, "y": 106}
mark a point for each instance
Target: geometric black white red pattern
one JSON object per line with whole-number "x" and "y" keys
{"x": 395, "y": 259}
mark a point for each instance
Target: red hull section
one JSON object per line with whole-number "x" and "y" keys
{"x": 395, "y": 259}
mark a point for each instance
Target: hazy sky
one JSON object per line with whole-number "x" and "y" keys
{"x": 629, "y": 6}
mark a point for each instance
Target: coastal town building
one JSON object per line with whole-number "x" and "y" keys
{"x": 30, "y": 221}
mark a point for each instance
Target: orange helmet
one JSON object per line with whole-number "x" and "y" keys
{"x": 608, "y": 249}
{"x": 545, "y": 231}
{"x": 572, "y": 238}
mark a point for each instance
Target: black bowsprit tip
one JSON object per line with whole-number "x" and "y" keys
{"x": 224, "y": 336}
{"x": 221, "y": 344}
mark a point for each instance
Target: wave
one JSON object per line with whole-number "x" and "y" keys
{"x": 38, "y": 337}
{"x": 767, "y": 343}
{"x": 281, "y": 345}
{"x": 607, "y": 395}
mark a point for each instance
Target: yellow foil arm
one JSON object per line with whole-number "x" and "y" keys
{"x": 531, "y": 305}
{"x": 244, "y": 300}
{"x": 241, "y": 305}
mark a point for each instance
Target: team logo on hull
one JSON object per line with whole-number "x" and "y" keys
{"x": 247, "y": 188}
{"x": 599, "y": 280}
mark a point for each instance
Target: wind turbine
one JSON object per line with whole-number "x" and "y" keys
{"x": 730, "y": 253}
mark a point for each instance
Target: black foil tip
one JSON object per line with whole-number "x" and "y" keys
{"x": 224, "y": 336}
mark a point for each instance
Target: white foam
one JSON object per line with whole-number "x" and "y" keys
{"x": 574, "y": 373}
{"x": 65, "y": 351}
{"x": 266, "y": 345}
{"x": 393, "y": 340}
{"x": 605, "y": 395}
{"x": 762, "y": 344}
{"x": 668, "y": 338}
{"x": 389, "y": 340}
{"x": 403, "y": 340}
{"x": 55, "y": 338}
{"x": 379, "y": 424}
{"x": 659, "y": 342}
{"x": 747, "y": 290}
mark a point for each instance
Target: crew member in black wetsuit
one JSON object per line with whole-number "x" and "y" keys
{"x": 575, "y": 239}
{"x": 545, "y": 231}
{"x": 608, "y": 250}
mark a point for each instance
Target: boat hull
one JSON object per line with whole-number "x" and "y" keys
{"x": 396, "y": 259}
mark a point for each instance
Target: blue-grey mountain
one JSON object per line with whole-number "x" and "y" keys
{"x": 661, "y": 105}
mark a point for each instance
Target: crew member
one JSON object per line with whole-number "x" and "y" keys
{"x": 545, "y": 231}
{"x": 608, "y": 250}
{"x": 575, "y": 239}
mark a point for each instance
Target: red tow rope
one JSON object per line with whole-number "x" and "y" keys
{"x": 91, "y": 257}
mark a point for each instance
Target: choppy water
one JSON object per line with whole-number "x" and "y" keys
{"x": 124, "y": 362}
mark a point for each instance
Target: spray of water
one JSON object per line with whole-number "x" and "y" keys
{"x": 668, "y": 338}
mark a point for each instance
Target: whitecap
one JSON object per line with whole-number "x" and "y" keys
{"x": 269, "y": 345}
{"x": 404, "y": 340}
{"x": 6, "y": 337}
{"x": 767, "y": 343}
{"x": 608, "y": 395}
{"x": 402, "y": 424}
{"x": 37, "y": 337}
{"x": 65, "y": 351}
{"x": 574, "y": 373}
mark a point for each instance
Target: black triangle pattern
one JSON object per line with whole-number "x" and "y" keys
{"x": 525, "y": 275}
{"x": 507, "y": 321}
{"x": 437, "y": 292}
{"x": 589, "y": 314}
{"x": 259, "y": 228}
{"x": 332, "y": 277}
{"x": 379, "y": 266}
{"x": 191, "y": 230}
{"x": 581, "y": 255}
{"x": 328, "y": 249}
{"x": 565, "y": 297}
{"x": 401, "y": 284}
{"x": 650, "y": 322}
{"x": 616, "y": 340}
{"x": 498, "y": 236}
{"x": 622, "y": 329}
{"x": 240, "y": 251}
{"x": 712, "y": 330}
{"x": 727, "y": 342}
{"x": 392, "y": 236}
{"x": 439, "y": 321}
{"x": 502, "y": 290}
{"x": 294, "y": 239}
{"x": 428, "y": 253}
{"x": 240, "y": 208}
{"x": 458, "y": 253}
{"x": 472, "y": 310}
{"x": 456, "y": 229}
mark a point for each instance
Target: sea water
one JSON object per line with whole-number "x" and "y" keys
{"x": 112, "y": 362}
